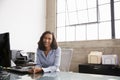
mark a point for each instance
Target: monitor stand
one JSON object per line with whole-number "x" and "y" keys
{"x": 1, "y": 69}
{"x": 12, "y": 63}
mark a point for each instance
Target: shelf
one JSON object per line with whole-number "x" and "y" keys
{"x": 99, "y": 69}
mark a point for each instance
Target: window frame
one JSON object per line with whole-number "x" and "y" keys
{"x": 97, "y": 21}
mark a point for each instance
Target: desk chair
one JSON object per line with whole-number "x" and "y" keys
{"x": 66, "y": 56}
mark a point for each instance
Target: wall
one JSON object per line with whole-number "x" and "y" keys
{"x": 51, "y": 15}
{"x": 25, "y": 20}
{"x": 81, "y": 48}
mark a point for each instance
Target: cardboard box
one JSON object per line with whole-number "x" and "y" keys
{"x": 110, "y": 59}
{"x": 95, "y": 57}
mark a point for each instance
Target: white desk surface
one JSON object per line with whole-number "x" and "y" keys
{"x": 63, "y": 76}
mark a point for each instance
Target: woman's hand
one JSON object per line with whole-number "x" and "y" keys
{"x": 35, "y": 70}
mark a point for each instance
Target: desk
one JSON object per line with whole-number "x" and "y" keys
{"x": 62, "y": 76}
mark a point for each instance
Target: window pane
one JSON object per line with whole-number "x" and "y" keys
{"x": 61, "y": 19}
{"x": 73, "y": 18}
{"x": 81, "y": 4}
{"x": 116, "y": 0}
{"x": 105, "y": 12}
{"x": 103, "y": 1}
{"x": 67, "y": 19}
{"x": 60, "y": 6}
{"x": 80, "y": 32}
{"x": 117, "y": 10}
{"x": 70, "y": 33}
{"x": 117, "y": 29}
{"x": 82, "y": 16}
{"x": 105, "y": 30}
{"x": 92, "y": 15}
{"x": 71, "y": 5}
{"x": 61, "y": 34}
{"x": 92, "y": 32}
{"x": 91, "y": 3}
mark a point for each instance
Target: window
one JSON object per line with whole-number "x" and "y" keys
{"x": 117, "y": 18}
{"x": 86, "y": 20}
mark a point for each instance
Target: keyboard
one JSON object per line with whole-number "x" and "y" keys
{"x": 4, "y": 75}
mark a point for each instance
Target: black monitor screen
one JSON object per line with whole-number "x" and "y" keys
{"x": 5, "y": 53}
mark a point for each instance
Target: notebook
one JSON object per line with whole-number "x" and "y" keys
{"x": 19, "y": 69}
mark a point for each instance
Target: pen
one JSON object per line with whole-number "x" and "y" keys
{"x": 34, "y": 68}
{"x": 34, "y": 72}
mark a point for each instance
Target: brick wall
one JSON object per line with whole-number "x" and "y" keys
{"x": 81, "y": 49}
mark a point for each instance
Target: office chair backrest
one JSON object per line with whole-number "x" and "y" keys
{"x": 66, "y": 56}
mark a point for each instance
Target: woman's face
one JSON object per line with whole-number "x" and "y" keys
{"x": 47, "y": 40}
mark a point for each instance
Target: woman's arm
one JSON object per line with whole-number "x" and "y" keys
{"x": 37, "y": 61}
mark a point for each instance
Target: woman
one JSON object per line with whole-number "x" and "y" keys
{"x": 48, "y": 54}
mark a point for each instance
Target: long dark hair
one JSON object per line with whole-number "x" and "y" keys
{"x": 53, "y": 44}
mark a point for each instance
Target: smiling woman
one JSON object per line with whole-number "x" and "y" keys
{"x": 48, "y": 54}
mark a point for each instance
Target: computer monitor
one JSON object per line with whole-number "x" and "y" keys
{"x": 5, "y": 53}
